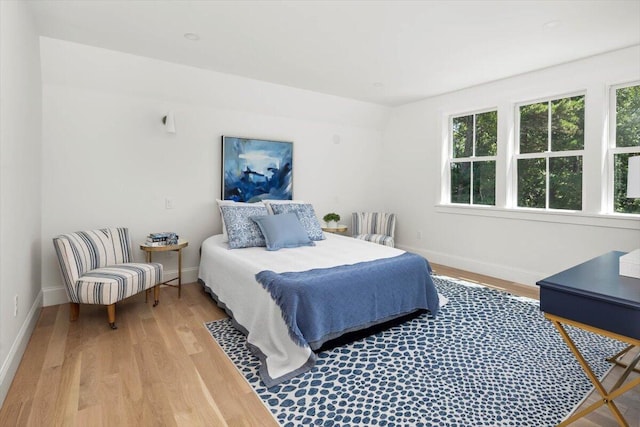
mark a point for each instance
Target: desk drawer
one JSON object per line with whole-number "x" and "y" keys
{"x": 600, "y": 314}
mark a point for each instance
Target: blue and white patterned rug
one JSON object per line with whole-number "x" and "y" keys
{"x": 488, "y": 359}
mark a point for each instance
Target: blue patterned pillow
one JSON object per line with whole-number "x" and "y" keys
{"x": 282, "y": 231}
{"x": 225, "y": 236}
{"x": 306, "y": 215}
{"x": 242, "y": 231}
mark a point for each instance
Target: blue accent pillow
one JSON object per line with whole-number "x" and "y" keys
{"x": 282, "y": 231}
{"x": 306, "y": 215}
{"x": 242, "y": 231}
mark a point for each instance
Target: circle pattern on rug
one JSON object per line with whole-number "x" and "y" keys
{"x": 488, "y": 359}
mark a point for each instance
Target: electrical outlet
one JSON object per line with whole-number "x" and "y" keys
{"x": 419, "y": 235}
{"x": 15, "y": 306}
{"x": 168, "y": 203}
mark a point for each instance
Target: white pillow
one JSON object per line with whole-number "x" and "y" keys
{"x": 225, "y": 235}
{"x": 269, "y": 202}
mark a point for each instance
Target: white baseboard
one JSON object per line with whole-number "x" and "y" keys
{"x": 55, "y": 295}
{"x": 494, "y": 270}
{"x": 11, "y": 363}
{"x": 189, "y": 275}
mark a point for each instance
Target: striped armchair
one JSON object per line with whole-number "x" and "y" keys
{"x": 377, "y": 227}
{"x": 96, "y": 268}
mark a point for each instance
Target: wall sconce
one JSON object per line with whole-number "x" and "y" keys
{"x": 169, "y": 122}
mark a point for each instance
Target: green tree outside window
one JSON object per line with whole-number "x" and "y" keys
{"x": 473, "y": 166}
{"x": 549, "y": 130}
{"x": 627, "y": 128}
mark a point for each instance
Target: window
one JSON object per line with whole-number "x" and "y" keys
{"x": 549, "y": 154}
{"x": 541, "y": 165}
{"x": 625, "y": 143}
{"x": 473, "y": 158}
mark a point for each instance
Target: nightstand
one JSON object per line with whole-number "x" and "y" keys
{"x": 341, "y": 229}
{"x": 149, "y": 250}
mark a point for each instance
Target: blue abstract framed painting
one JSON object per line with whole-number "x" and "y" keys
{"x": 256, "y": 169}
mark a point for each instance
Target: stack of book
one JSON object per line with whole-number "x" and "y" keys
{"x": 162, "y": 239}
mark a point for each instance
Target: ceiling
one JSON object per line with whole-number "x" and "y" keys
{"x": 385, "y": 52}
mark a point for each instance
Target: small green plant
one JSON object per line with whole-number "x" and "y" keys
{"x": 331, "y": 216}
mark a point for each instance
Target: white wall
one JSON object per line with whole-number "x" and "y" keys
{"x": 521, "y": 247}
{"x": 108, "y": 161}
{"x": 102, "y": 109}
{"x": 20, "y": 185}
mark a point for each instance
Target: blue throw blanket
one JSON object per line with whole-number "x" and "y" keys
{"x": 321, "y": 304}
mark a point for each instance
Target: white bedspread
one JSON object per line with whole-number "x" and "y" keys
{"x": 230, "y": 275}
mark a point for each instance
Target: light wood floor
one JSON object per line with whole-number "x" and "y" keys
{"x": 160, "y": 368}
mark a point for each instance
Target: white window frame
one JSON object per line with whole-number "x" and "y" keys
{"x": 593, "y": 214}
{"x": 612, "y": 150}
{"x": 545, "y": 154}
{"x": 471, "y": 159}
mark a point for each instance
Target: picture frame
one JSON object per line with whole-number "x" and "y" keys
{"x": 256, "y": 169}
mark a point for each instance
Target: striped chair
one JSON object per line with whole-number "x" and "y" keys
{"x": 96, "y": 268}
{"x": 374, "y": 227}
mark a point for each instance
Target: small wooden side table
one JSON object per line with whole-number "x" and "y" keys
{"x": 341, "y": 229}
{"x": 149, "y": 250}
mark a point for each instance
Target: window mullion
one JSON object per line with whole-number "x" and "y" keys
{"x": 473, "y": 155}
{"x": 547, "y": 184}
{"x": 625, "y": 150}
{"x": 630, "y": 94}
{"x": 547, "y": 174}
{"x": 549, "y": 126}
{"x": 473, "y": 141}
{"x": 471, "y": 183}
{"x": 566, "y": 153}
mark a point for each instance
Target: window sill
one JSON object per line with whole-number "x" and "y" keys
{"x": 626, "y": 221}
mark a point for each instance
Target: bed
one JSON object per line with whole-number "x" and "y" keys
{"x": 339, "y": 285}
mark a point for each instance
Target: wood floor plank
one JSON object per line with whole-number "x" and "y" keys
{"x": 217, "y": 418}
{"x": 66, "y": 405}
{"x": 155, "y": 401}
{"x": 45, "y": 396}
{"x": 111, "y": 390}
{"x": 89, "y": 377}
{"x": 132, "y": 389}
{"x": 90, "y": 416}
{"x": 162, "y": 368}
{"x": 10, "y": 414}
{"x": 27, "y": 382}
{"x": 235, "y": 403}
{"x": 57, "y": 342}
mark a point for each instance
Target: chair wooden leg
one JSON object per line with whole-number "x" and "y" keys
{"x": 74, "y": 311}
{"x": 156, "y": 295}
{"x": 111, "y": 312}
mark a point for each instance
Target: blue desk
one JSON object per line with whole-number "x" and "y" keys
{"x": 593, "y": 296}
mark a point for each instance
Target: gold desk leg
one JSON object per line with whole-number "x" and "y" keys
{"x": 606, "y": 398}
{"x": 630, "y": 367}
{"x": 616, "y": 359}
